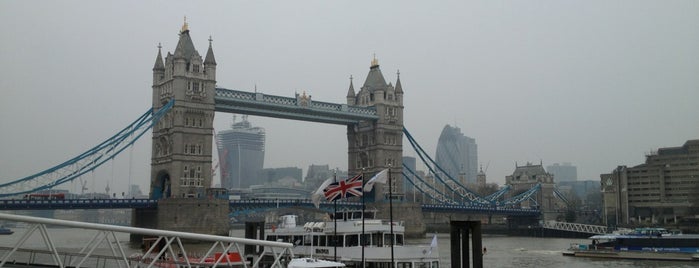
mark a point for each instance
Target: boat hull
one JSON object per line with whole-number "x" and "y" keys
{"x": 635, "y": 255}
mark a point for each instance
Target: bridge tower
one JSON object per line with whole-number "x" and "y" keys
{"x": 374, "y": 146}
{"x": 527, "y": 176}
{"x": 377, "y": 145}
{"x": 181, "y": 155}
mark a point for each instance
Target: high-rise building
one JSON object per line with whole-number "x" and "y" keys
{"x": 411, "y": 163}
{"x": 662, "y": 190}
{"x": 241, "y": 152}
{"x": 457, "y": 154}
{"x": 563, "y": 172}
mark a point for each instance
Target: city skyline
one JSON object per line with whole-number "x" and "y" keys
{"x": 593, "y": 83}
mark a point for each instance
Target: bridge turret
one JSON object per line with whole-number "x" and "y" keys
{"x": 399, "y": 89}
{"x": 350, "y": 93}
{"x": 210, "y": 62}
{"x": 158, "y": 68}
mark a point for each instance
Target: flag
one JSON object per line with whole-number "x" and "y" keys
{"x": 380, "y": 177}
{"x": 433, "y": 245}
{"x": 344, "y": 189}
{"x": 315, "y": 197}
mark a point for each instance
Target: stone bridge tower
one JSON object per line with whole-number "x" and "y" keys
{"x": 181, "y": 172}
{"x": 374, "y": 146}
{"x": 181, "y": 159}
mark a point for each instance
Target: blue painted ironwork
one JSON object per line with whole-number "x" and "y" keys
{"x": 87, "y": 161}
{"x": 299, "y": 108}
{"x": 522, "y": 196}
{"x": 494, "y": 196}
{"x": 452, "y": 184}
{"x": 427, "y": 189}
{"x": 241, "y": 207}
{"x": 24, "y": 204}
{"x": 480, "y": 209}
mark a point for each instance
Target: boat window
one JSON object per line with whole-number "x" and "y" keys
{"x": 322, "y": 241}
{"x": 272, "y": 238}
{"x": 366, "y": 239}
{"x": 298, "y": 240}
{"x": 376, "y": 240}
{"x": 283, "y": 238}
{"x": 422, "y": 265}
{"x": 387, "y": 239}
{"x": 307, "y": 240}
{"x": 405, "y": 265}
{"x": 357, "y": 215}
{"x": 368, "y": 214}
{"x": 435, "y": 264}
{"x": 339, "y": 241}
{"x": 352, "y": 240}
{"x": 399, "y": 239}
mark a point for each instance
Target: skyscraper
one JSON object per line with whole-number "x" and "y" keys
{"x": 241, "y": 152}
{"x": 563, "y": 172}
{"x": 457, "y": 154}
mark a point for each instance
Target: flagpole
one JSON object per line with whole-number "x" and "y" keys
{"x": 390, "y": 209}
{"x": 361, "y": 239}
{"x": 335, "y": 219}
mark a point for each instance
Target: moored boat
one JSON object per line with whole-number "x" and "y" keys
{"x": 313, "y": 263}
{"x": 344, "y": 243}
{"x": 642, "y": 243}
{"x": 5, "y": 231}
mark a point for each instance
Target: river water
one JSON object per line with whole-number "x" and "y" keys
{"x": 502, "y": 251}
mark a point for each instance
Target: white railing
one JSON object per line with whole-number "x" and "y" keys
{"x": 167, "y": 239}
{"x": 575, "y": 227}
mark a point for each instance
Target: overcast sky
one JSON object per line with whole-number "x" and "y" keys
{"x": 594, "y": 83}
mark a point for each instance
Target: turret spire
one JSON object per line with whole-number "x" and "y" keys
{"x": 209, "y": 58}
{"x": 350, "y": 91}
{"x": 399, "y": 87}
{"x": 159, "y": 66}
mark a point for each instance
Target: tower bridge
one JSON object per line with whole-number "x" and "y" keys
{"x": 185, "y": 98}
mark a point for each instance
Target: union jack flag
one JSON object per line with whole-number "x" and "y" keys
{"x": 344, "y": 189}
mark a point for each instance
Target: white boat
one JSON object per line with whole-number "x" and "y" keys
{"x": 315, "y": 240}
{"x": 311, "y": 263}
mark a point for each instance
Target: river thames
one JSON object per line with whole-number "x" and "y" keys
{"x": 502, "y": 251}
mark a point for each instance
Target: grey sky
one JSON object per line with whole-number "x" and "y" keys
{"x": 594, "y": 83}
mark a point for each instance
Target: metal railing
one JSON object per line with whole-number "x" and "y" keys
{"x": 170, "y": 241}
{"x": 575, "y": 227}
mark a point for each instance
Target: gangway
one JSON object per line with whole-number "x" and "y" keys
{"x": 105, "y": 238}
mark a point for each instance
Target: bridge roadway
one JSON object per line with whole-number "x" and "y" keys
{"x": 239, "y": 205}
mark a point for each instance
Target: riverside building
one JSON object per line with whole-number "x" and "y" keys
{"x": 660, "y": 191}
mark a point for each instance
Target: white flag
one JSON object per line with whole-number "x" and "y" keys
{"x": 380, "y": 177}
{"x": 433, "y": 245}
{"x": 318, "y": 194}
